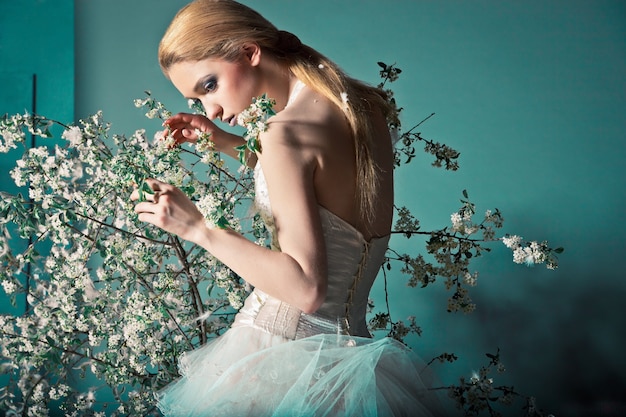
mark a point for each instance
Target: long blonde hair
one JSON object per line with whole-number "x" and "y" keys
{"x": 219, "y": 28}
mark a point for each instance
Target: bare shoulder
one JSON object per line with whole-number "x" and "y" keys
{"x": 310, "y": 121}
{"x": 311, "y": 139}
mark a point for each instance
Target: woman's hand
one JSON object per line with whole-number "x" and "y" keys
{"x": 170, "y": 209}
{"x": 184, "y": 126}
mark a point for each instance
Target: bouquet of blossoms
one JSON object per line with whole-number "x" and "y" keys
{"x": 111, "y": 302}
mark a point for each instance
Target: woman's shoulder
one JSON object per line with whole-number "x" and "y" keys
{"x": 310, "y": 118}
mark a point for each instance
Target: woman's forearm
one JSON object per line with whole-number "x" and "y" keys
{"x": 227, "y": 144}
{"x": 275, "y": 273}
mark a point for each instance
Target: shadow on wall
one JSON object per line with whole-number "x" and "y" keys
{"x": 568, "y": 355}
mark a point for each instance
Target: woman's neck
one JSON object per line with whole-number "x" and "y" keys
{"x": 278, "y": 83}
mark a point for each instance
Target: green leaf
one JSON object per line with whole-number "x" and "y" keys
{"x": 71, "y": 216}
{"x": 144, "y": 189}
{"x": 222, "y": 223}
{"x": 241, "y": 153}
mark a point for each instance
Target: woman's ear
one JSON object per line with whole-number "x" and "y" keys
{"x": 252, "y": 53}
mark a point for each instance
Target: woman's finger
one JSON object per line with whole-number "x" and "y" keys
{"x": 191, "y": 121}
{"x": 134, "y": 196}
{"x": 182, "y": 118}
{"x": 149, "y": 191}
{"x": 145, "y": 207}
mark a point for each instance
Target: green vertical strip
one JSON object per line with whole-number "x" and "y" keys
{"x": 16, "y": 96}
{"x": 36, "y": 43}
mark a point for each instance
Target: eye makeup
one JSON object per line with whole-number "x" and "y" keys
{"x": 207, "y": 84}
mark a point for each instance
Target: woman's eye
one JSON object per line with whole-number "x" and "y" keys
{"x": 210, "y": 85}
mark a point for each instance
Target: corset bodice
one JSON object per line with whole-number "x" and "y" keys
{"x": 352, "y": 266}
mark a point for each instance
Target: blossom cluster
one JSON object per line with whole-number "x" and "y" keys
{"x": 531, "y": 253}
{"x": 107, "y": 296}
{"x": 445, "y": 156}
{"x": 156, "y": 109}
{"x": 449, "y": 251}
{"x": 254, "y": 119}
{"x": 478, "y": 392}
{"x": 13, "y": 129}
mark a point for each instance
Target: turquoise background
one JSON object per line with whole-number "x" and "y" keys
{"x": 36, "y": 41}
{"x": 36, "y": 37}
{"x": 532, "y": 93}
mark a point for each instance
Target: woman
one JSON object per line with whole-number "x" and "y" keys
{"x": 324, "y": 184}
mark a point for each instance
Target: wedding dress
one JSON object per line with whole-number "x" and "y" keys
{"x": 277, "y": 361}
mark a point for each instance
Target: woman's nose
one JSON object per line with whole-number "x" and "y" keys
{"x": 212, "y": 110}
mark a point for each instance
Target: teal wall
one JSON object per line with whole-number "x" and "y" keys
{"x": 532, "y": 93}
{"x": 36, "y": 38}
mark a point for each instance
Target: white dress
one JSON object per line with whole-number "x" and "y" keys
{"x": 277, "y": 361}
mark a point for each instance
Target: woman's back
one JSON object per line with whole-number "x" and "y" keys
{"x": 322, "y": 128}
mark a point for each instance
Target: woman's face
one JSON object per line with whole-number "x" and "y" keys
{"x": 224, "y": 88}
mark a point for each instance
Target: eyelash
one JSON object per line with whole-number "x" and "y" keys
{"x": 210, "y": 85}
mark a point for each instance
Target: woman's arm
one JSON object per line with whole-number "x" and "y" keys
{"x": 297, "y": 273}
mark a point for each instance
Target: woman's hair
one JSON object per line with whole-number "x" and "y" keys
{"x": 219, "y": 28}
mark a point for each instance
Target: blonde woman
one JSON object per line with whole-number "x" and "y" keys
{"x": 324, "y": 185}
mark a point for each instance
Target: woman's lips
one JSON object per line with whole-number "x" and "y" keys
{"x": 231, "y": 121}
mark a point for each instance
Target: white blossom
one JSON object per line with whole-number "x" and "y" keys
{"x": 511, "y": 242}
{"x": 457, "y": 222}
{"x": 73, "y": 135}
{"x": 9, "y": 287}
{"x": 470, "y": 279}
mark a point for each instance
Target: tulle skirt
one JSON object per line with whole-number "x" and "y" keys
{"x": 249, "y": 372}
